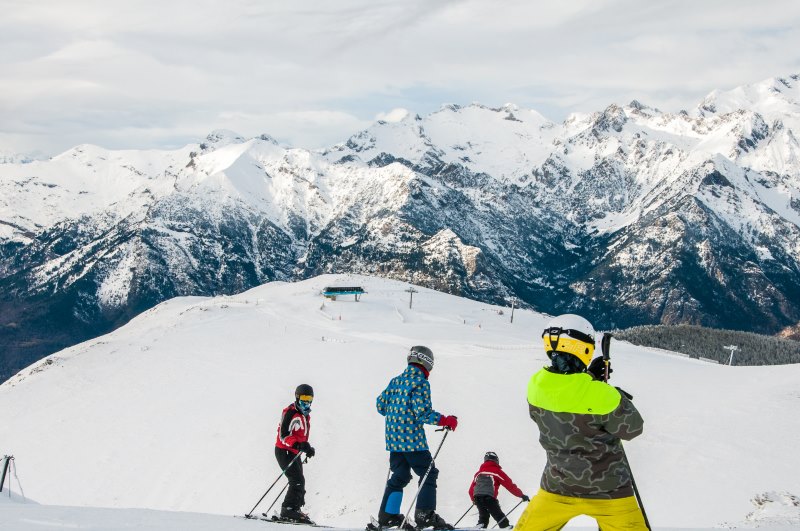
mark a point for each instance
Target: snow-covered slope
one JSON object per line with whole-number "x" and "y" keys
{"x": 178, "y": 409}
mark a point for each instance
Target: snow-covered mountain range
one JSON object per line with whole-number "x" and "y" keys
{"x": 630, "y": 215}
{"x": 178, "y": 411}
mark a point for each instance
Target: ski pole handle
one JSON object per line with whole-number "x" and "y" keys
{"x": 605, "y": 345}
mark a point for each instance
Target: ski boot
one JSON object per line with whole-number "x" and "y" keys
{"x": 292, "y": 514}
{"x": 395, "y": 520}
{"x": 390, "y": 521}
{"x": 428, "y": 518}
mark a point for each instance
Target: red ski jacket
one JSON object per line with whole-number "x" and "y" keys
{"x": 487, "y": 481}
{"x": 294, "y": 427}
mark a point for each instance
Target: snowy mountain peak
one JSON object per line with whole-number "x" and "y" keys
{"x": 631, "y": 214}
{"x": 221, "y": 138}
{"x": 612, "y": 118}
{"x": 268, "y": 138}
{"x": 772, "y": 97}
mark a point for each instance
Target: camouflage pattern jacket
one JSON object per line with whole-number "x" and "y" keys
{"x": 581, "y": 423}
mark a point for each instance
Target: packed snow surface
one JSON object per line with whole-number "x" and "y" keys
{"x": 178, "y": 410}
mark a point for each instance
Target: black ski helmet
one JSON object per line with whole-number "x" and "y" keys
{"x": 491, "y": 456}
{"x": 421, "y": 355}
{"x": 303, "y": 390}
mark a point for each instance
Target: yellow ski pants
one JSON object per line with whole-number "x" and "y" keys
{"x": 550, "y": 512}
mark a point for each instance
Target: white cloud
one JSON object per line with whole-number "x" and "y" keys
{"x": 316, "y": 71}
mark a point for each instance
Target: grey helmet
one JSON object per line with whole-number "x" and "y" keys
{"x": 491, "y": 456}
{"x": 422, "y": 356}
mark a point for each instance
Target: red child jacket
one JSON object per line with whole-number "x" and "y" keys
{"x": 488, "y": 479}
{"x": 294, "y": 427}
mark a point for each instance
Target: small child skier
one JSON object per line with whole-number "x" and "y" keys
{"x": 483, "y": 491}
{"x": 293, "y": 432}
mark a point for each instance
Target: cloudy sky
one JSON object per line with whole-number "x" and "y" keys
{"x": 163, "y": 73}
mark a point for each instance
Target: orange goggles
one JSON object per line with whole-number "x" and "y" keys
{"x": 306, "y": 398}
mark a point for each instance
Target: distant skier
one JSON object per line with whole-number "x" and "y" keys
{"x": 406, "y": 404}
{"x": 581, "y": 420}
{"x": 292, "y": 439}
{"x": 483, "y": 491}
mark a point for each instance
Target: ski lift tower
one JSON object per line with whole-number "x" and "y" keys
{"x": 732, "y": 348}
{"x": 411, "y": 291}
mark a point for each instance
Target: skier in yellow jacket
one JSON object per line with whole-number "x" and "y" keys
{"x": 581, "y": 421}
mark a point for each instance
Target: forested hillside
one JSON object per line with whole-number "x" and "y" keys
{"x": 709, "y": 343}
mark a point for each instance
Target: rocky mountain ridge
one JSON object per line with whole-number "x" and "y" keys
{"x": 629, "y": 215}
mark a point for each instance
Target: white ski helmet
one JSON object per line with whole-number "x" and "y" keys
{"x": 570, "y": 334}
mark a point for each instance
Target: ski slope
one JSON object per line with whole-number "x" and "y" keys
{"x": 177, "y": 411}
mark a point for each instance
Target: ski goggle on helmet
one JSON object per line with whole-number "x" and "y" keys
{"x": 570, "y": 334}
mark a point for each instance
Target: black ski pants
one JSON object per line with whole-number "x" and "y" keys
{"x": 489, "y": 505}
{"x": 296, "y": 495}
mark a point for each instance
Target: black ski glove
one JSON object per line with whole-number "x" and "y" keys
{"x": 525, "y": 498}
{"x": 597, "y": 369}
{"x": 304, "y": 447}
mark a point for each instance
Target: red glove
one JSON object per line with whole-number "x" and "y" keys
{"x": 449, "y": 423}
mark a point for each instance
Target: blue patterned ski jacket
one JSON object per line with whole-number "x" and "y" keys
{"x": 406, "y": 404}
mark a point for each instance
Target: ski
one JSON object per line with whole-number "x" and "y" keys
{"x": 375, "y": 527}
{"x": 279, "y": 520}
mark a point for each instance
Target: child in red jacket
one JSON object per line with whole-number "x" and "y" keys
{"x": 483, "y": 491}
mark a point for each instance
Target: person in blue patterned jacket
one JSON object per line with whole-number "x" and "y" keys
{"x": 406, "y": 405}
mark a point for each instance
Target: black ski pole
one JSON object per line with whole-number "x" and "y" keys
{"x": 422, "y": 482}
{"x": 463, "y": 515}
{"x": 605, "y": 344}
{"x": 283, "y": 472}
{"x": 509, "y": 512}
{"x": 6, "y": 460}
{"x": 278, "y": 497}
